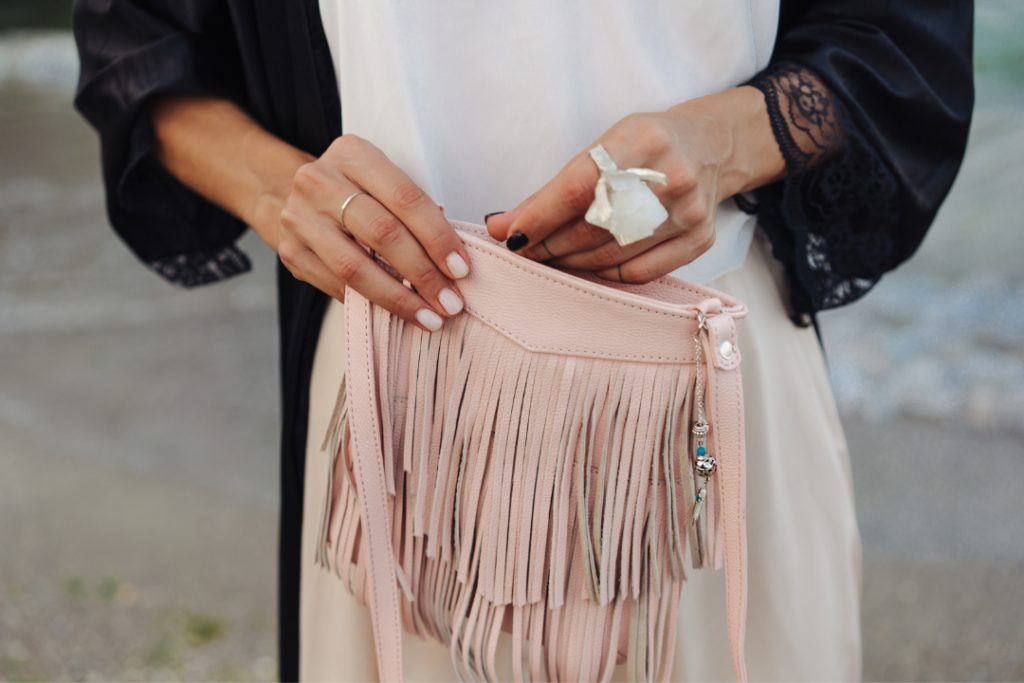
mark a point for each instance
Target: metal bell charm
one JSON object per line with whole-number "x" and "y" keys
{"x": 706, "y": 465}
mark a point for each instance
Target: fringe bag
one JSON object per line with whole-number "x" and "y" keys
{"x": 547, "y": 461}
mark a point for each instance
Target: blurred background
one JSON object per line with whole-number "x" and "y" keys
{"x": 139, "y": 423}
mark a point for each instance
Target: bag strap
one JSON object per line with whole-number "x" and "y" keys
{"x": 726, "y": 398}
{"x": 369, "y": 469}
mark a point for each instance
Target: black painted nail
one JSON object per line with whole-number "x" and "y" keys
{"x": 517, "y": 241}
{"x": 496, "y": 213}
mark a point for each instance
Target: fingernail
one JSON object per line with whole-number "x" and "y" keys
{"x": 517, "y": 241}
{"x": 430, "y": 320}
{"x": 451, "y": 301}
{"x": 496, "y": 213}
{"x": 457, "y": 265}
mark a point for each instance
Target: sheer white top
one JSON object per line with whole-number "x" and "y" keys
{"x": 482, "y": 102}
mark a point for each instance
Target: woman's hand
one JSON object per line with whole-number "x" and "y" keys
{"x": 393, "y": 217}
{"x": 294, "y": 202}
{"x": 710, "y": 148}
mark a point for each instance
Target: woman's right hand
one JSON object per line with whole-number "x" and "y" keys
{"x": 393, "y": 217}
{"x": 294, "y": 202}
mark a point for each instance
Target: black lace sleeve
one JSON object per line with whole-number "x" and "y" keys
{"x": 830, "y": 221}
{"x": 870, "y": 103}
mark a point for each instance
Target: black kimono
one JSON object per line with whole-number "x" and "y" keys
{"x": 888, "y": 132}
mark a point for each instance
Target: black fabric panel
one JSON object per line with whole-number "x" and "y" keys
{"x": 300, "y": 104}
{"x": 301, "y": 309}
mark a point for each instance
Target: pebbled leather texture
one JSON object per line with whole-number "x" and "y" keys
{"x": 565, "y": 318}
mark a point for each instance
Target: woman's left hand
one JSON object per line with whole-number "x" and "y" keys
{"x": 710, "y": 148}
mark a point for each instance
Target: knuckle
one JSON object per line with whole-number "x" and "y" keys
{"x": 682, "y": 178}
{"x": 347, "y": 267}
{"x": 578, "y": 194}
{"x": 536, "y": 253}
{"x": 638, "y": 274}
{"x": 701, "y": 240}
{"x": 348, "y": 144}
{"x": 590, "y": 235}
{"x": 695, "y": 213}
{"x": 438, "y": 241}
{"x": 385, "y": 230}
{"x": 405, "y": 303}
{"x": 289, "y": 218}
{"x": 288, "y": 252}
{"x": 308, "y": 176}
{"x": 709, "y": 238}
{"x": 607, "y": 255}
{"x": 653, "y": 134}
{"x": 429, "y": 279}
{"x": 337, "y": 291}
{"x": 408, "y": 196}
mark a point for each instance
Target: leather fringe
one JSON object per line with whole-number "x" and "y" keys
{"x": 553, "y": 489}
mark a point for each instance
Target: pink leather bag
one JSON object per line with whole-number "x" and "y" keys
{"x": 532, "y": 464}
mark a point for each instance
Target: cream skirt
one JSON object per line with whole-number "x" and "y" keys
{"x": 803, "y": 621}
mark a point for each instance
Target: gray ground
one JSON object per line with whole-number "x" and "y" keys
{"x": 138, "y": 428}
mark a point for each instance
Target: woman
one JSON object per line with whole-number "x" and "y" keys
{"x": 216, "y": 115}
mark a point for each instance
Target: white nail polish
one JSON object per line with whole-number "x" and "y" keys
{"x": 457, "y": 265}
{"x": 430, "y": 320}
{"x": 450, "y": 300}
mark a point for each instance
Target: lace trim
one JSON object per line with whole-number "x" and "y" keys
{"x": 203, "y": 267}
{"x": 832, "y": 221}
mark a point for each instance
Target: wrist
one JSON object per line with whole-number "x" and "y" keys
{"x": 271, "y": 166}
{"x": 735, "y": 122}
{"x": 218, "y": 150}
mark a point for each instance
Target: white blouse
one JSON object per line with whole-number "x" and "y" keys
{"x": 482, "y": 102}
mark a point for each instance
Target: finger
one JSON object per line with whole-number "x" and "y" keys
{"x": 376, "y": 227}
{"x": 573, "y": 238}
{"x": 344, "y": 263}
{"x": 611, "y": 253}
{"x": 563, "y": 200}
{"x": 499, "y": 223}
{"x": 370, "y": 168}
{"x": 657, "y": 261}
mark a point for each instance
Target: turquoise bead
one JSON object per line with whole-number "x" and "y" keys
{"x": 701, "y": 451}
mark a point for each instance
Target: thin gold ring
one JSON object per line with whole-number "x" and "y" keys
{"x": 344, "y": 205}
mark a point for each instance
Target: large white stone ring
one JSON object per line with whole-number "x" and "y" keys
{"x": 344, "y": 205}
{"x": 623, "y": 204}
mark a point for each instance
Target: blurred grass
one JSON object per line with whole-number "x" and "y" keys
{"x": 201, "y": 629}
{"x": 17, "y": 14}
{"x": 998, "y": 42}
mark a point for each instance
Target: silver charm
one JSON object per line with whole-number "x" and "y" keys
{"x": 706, "y": 464}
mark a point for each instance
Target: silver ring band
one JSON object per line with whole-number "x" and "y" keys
{"x": 344, "y": 205}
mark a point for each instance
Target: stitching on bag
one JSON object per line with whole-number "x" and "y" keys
{"x": 378, "y": 603}
{"x": 474, "y": 233}
{"x": 595, "y": 354}
{"x": 583, "y": 291}
{"x": 600, "y": 354}
{"x": 737, "y": 503}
